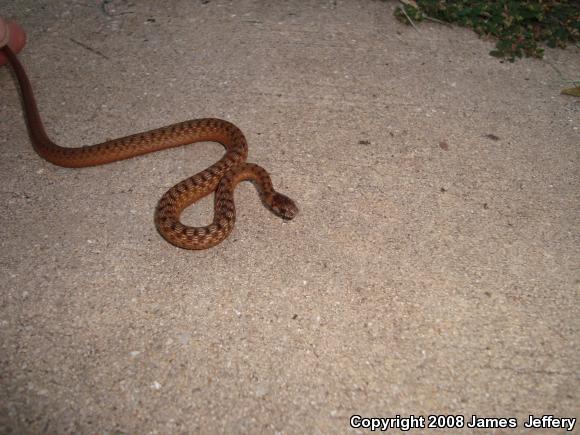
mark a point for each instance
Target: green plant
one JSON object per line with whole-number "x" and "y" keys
{"x": 518, "y": 25}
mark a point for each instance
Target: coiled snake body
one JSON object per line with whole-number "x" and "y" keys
{"x": 222, "y": 177}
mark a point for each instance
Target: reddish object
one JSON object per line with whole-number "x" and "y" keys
{"x": 15, "y": 35}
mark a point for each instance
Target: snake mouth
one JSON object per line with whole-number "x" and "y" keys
{"x": 287, "y": 216}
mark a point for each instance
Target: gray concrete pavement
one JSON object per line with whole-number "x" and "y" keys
{"x": 433, "y": 268}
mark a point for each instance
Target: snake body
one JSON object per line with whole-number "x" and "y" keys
{"x": 221, "y": 177}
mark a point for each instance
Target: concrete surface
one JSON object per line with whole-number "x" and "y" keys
{"x": 434, "y": 269}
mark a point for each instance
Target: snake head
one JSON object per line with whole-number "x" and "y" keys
{"x": 283, "y": 206}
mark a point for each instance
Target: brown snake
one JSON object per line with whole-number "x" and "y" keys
{"x": 221, "y": 177}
